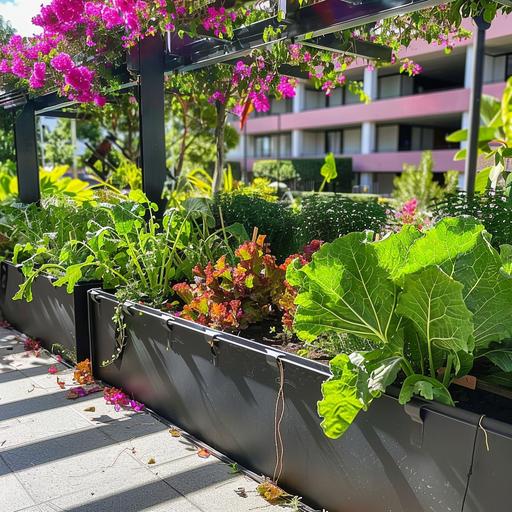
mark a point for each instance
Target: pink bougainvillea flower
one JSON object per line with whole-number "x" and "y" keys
{"x": 52, "y": 370}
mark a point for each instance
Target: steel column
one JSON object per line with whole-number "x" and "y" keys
{"x": 152, "y": 117}
{"x": 474, "y": 107}
{"x": 26, "y": 154}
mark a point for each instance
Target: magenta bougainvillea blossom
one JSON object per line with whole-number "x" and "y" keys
{"x": 82, "y": 40}
{"x": 120, "y": 400}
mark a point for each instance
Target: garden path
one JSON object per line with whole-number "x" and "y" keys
{"x": 81, "y": 455}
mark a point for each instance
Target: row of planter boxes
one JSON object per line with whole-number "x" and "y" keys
{"x": 223, "y": 389}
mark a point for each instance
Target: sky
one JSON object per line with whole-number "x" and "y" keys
{"x": 20, "y": 13}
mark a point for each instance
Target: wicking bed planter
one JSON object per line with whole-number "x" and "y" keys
{"x": 58, "y": 319}
{"x": 223, "y": 389}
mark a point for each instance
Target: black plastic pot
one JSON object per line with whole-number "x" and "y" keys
{"x": 58, "y": 319}
{"x": 223, "y": 390}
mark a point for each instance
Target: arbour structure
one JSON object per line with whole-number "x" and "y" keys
{"x": 313, "y": 25}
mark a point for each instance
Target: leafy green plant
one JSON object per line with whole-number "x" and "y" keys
{"x": 417, "y": 182}
{"x": 431, "y": 302}
{"x": 42, "y": 239}
{"x": 327, "y": 217}
{"x": 494, "y": 142}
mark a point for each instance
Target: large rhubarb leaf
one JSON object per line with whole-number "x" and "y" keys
{"x": 446, "y": 241}
{"x": 356, "y": 380}
{"x": 487, "y": 292}
{"x": 344, "y": 289}
{"x": 506, "y": 258}
{"x": 393, "y": 250}
{"x": 433, "y": 302}
{"x": 427, "y": 387}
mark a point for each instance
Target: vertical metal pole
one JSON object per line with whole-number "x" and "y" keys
{"x": 26, "y": 155}
{"x": 245, "y": 172}
{"x": 74, "y": 170}
{"x": 474, "y": 107}
{"x": 152, "y": 118}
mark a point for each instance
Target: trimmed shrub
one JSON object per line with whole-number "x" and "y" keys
{"x": 273, "y": 219}
{"x": 275, "y": 170}
{"x": 493, "y": 210}
{"x": 327, "y": 217}
{"x": 305, "y": 173}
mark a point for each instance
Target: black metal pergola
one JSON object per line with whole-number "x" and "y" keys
{"x": 313, "y": 25}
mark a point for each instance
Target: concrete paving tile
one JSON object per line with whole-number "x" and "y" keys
{"x": 150, "y": 439}
{"x": 13, "y": 390}
{"x": 13, "y": 496}
{"x": 211, "y": 485}
{"x": 58, "y": 467}
{"x": 153, "y": 496}
{"x": 42, "y": 425}
{"x": 103, "y": 413}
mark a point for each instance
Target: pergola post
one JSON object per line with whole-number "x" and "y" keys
{"x": 26, "y": 154}
{"x": 151, "y": 64}
{"x": 474, "y": 107}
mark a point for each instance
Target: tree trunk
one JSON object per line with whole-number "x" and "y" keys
{"x": 218, "y": 175}
{"x": 183, "y": 148}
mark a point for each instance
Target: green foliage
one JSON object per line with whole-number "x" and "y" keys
{"x": 44, "y": 239}
{"x": 418, "y": 182}
{"x": 54, "y": 183}
{"x": 126, "y": 175}
{"x": 140, "y": 256}
{"x": 493, "y": 210}
{"x": 275, "y": 170}
{"x": 271, "y": 218}
{"x": 328, "y": 171}
{"x": 327, "y": 217}
{"x": 307, "y": 172}
{"x": 430, "y": 302}
{"x": 494, "y": 142}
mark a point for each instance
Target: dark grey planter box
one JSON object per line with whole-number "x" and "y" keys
{"x": 53, "y": 316}
{"x": 223, "y": 389}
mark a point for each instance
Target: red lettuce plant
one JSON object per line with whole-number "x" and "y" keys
{"x": 286, "y": 301}
{"x": 232, "y": 297}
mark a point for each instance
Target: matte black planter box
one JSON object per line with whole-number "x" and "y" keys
{"x": 223, "y": 389}
{"x": 53, "y": 316}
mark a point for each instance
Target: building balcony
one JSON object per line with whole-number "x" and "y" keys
{"x": 455, "y": 101}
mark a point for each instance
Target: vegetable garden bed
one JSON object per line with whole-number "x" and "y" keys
{"x": 224, "y": 389}
{"x": 58, "y": 319}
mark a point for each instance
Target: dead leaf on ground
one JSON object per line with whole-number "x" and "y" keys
{"x": 241, "y": 492}
{"x": 174, "y": 432}
{"x": 90, "y": 409}
{"x": 152, "y": 461}
{"x": 270, "y": 491}
{"x": 203, "y": 453}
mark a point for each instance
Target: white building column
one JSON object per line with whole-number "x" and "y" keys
{"x": 297, "y": 143}
{"x": 370, "y": 83}
{"x": 468, "y": 68}
{"x": 299, "y": 98}
{"x": 368, "y": 129}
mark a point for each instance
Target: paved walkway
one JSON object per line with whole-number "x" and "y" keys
{"x": 80, "y": 455}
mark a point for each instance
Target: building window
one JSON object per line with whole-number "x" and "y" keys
{"x": 333, "y": 142}
{"x": 262, "y": 146}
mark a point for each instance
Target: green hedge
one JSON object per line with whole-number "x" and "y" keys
{"x": 320, "y": 216}
{"x": 273, "y": 219}
{"x": 307, "y": 171}
{"x": 328, "y": 216}
{"x": 493, "y": 210}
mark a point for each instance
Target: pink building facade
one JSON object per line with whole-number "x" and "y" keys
{"x": 406, "y": 115}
